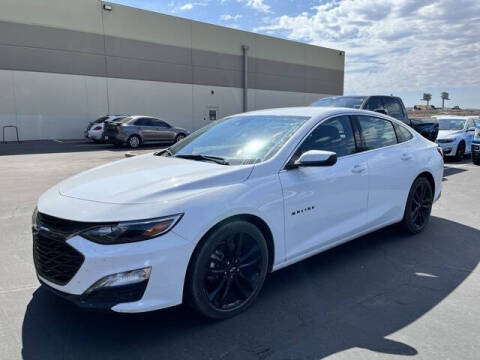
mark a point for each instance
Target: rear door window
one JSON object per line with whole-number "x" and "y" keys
{"x": 376, "y": 132}
{"x": 375, "y": 103}
{"x": 160, "y": 123}
{"x": 393, "y": 108}
{"x": 144, "y": 122}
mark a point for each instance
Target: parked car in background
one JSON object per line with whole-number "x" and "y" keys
{"x": 456, "y": 135}
{"x": 137, "y": 130}
{"x": 94, "y": 130}
{"x": 476, "y": 145}
{"x": 388, "y": 105}
{"x": 205, "y": 220}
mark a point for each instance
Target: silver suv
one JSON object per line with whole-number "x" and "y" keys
{"x": 137, "y": 130}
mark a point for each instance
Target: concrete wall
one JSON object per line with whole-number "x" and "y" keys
{"x": 67, "y": 62}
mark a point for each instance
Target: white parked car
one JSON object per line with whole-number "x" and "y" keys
{"x": 456, "y": 134}
{"x": 95, "y": 129}
{"x": 204, "y": 221}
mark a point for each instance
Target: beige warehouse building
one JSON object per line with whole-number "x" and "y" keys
{"x": 64, "y": 63}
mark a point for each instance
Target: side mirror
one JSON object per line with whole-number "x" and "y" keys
{"x": 316, "y": 158}
{"x": 471, "y": 129}
{"x": 381, "y": 111}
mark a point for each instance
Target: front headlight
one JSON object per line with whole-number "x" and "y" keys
{"x": 35, "y": 219}
{"x": 446, "y": 140}
{"x": 131, "y": 231}
{"x": 477, "y": 134}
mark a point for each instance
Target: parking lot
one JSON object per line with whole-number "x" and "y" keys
{"x": 382, "y": 296}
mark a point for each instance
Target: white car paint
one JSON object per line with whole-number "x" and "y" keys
{"x": 359, "y": 194}
{"x": 455, "y": 137}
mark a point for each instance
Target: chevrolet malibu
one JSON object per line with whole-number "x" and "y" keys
{"x": 205, "y": 220}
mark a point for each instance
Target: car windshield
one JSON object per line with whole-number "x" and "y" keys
{"x": 451, "y": 124}
{"x": 354, "y": 102}
{"x": 240, "y": 139}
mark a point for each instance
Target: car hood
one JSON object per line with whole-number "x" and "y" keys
{"x": 442, "y": 134}
{"x": 149, "y": 179}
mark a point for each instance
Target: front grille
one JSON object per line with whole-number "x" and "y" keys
{"x": 61, "y": 227}
{"x": 54, "y": 259}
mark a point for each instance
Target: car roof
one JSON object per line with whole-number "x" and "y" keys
{"x": 310, "y": 111}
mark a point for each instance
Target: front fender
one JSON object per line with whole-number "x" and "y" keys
{"x": 258, "y": 197}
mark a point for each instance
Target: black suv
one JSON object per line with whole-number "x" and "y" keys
{"x": 389, "y": 105}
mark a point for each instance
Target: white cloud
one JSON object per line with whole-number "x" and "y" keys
{"x": 189, "y": 6}
{"x": 394, "y": 45}
{"x": 258, "y": 5}
{"x": 228, "y": 17}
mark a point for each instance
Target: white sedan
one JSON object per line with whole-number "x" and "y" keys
{"x": 204, "y": 221}
{"x": 456, "y": 134}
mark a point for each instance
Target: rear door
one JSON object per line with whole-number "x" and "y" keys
{"x": 391, "y": 166}
{"x": 144, "y": 128}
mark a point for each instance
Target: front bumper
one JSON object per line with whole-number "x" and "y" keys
{"x": 167, "y": 255}
{"x": 449, "y": 149}
{"x": 476, "y": 150}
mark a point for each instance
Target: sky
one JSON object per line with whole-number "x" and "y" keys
{"x": 400, "y": 47}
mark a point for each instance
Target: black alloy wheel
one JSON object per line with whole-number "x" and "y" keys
{"x": 228, "y": 271}
{"x": 419, "y": 206}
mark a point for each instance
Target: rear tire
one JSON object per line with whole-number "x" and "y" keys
{"x": 476, "y": 160}
{"x": 418, "y": 207}
{"x": 460, "y": 154}
{"x": 227, "y": 270}
{"x": 134, "y": 141}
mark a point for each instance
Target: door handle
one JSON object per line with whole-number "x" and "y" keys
{"x": 406, "y": 157}
{"x": 358, "y": 169}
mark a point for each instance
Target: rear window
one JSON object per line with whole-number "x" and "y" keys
{"x": 393, "y": 107}
{"x": 353, "y": 102}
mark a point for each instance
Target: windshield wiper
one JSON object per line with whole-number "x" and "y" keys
{"x": 166, "y": 152}
{"x": 217, "y": 159}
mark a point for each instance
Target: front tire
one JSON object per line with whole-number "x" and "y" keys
{"x": 460, "y": 151}
{"x": 418, "y": 207}
{"x": 228, "y": 270}
{"x": 476, "y": 160}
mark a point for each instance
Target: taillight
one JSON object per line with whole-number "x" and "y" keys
{"x": 98, "y": 127}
